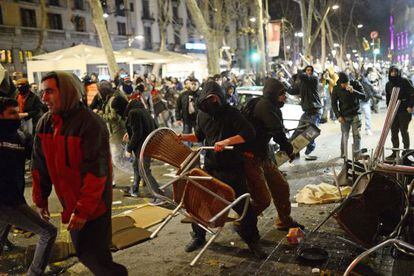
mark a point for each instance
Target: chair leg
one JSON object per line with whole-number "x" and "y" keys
{"x": 167, "y": 219}
{"x": 193, "y": 262}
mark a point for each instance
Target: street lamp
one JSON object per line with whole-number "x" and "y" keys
{"x": 335, "y": 7}
{"x": 139, "y": 37}
{"x": 336, "y": 45}
{"x": 360, "y": 26}
{"x": 299, "y": 34}
{"x": 252, "y": 19}
{"x": 333, "y": 52}
{"x": 105, "y": 15}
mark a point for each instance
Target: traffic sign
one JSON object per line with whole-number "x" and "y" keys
{"x": 374, "y": 34}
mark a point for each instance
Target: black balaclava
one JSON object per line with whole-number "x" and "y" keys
{"x": 24, "y": 89}
{"x": 127, "y": 88}
{"x": 396, "y": 78}
{"x": 272, "y": 89}
{"x": 206, "y": 105}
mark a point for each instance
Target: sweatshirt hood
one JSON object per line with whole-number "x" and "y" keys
{"x": 71, "y": 89}
{"x": 212, "y": 88}
{"x": 396, "y": 78}
{"x": 272, "y": 90}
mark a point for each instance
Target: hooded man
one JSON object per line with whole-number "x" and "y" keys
{"x": 30, "y": 106}
{"x": 345, "y": 104}
{"x": 220, "y": 125}
{"x": 71, "y": 151}
{"x": 311, "y": 104}
{"x": 15, "y": 148}
{"x": 267, "y": 119}
{"x": 404, "y": 113}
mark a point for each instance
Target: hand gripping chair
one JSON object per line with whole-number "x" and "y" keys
{"x": 204, "y": 199}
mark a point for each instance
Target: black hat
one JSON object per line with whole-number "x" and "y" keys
{"x": 343, "y": 78}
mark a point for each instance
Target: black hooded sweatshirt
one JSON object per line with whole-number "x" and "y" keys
{"x": 308, "y": 91}
{"x": 225, "y": 123}
{"x": 15, "y": 148}
{"x": 268, "y": 121}
{"x": 406, "y": 95}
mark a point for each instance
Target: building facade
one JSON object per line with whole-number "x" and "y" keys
{"x": 130, "y": 23}
{"x": 402, "y": 31}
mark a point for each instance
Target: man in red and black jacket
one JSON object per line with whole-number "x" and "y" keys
{"x": 71, "y": 151}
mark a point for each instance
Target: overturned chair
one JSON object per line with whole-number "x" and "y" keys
{"x": 202, "y": 198}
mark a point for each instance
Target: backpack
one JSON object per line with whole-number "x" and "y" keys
{"x": 248, "y": 110}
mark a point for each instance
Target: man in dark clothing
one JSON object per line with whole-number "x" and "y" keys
{"x": 259, "y": 168}
{"x": 220, "y": 125}
{"x": 404, "y": 113}
{"x": 186, "y": 108}
{"x": 139, "y": 125}
{"x": 345, "y": 104}
{"x": 310, "y": 102}
{"x": 71, "y": 152}
{"x": 15, "y": 148}
{"x": 30, "y": 106}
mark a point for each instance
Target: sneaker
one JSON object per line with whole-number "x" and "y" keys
{"x": 391, "y": 157}
{"x": 156, "y": 202}
{"x": 113, "y": 184}
{"x": 368, "y": 132}
{"x": 310, "y": 157}
{"x": 134, "y": 194}
{"x": 195, "y": 244}
{"x": 293, "y": 224}
{"x": 257, "y": 250}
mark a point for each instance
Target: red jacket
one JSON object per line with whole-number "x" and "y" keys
{"x": 72, "y": 152}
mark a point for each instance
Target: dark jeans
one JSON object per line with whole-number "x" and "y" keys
{"x": 188, "y": 128}
{"x": 92, "y": 245}
{"x": 400, "y": 124}
{"x": 306, "y": 118}
{"x": 353, "y": 123}
{"x": 137, "y": 176}
{"x": 26, "y": 218}
{"x": 248, "y": 225}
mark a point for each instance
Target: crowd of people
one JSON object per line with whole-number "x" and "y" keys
{"x": 74, "y": 130}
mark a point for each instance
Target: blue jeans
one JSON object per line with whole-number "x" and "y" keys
{"x": 153, "y": 184}
{"x": 366, "y": 110}
{"x": 26, "y": 218}
{"x": 313, "y": 118}
{"x": 355, "y": 123}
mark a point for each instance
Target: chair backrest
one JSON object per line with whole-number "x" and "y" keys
{"x": 163, "y": 144}
{"x": 203, "y": 205}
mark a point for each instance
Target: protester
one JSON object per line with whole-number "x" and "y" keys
{"x": 404, "y": 113}
{"x": 310, "y": 103}
{"x": 30, "y": 106}
{"x": 262, "y": 173}
{"x": 345, "y": 103}
{"x": 71, "y": 151}
{"x": 15, "y": 148}
{"x": 221, "y": 125}
{"x": 366, "y": 104}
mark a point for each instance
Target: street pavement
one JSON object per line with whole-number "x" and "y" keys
{"x": 228, "y": 255}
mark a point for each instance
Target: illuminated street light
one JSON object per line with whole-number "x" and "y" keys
{"x": 288, "y": 47}
{"x": 299, "y": 34}
{"x": 348, "y": 56}
{"x": 336, "y": 45}
{"x": 139, "y": 37}
{"x": 105, "y": 15}
{"x": 333, "y": 52}
{"x": 335, "y": 7}
{"x": 252, "y": 19}
{"x": 354, "y": 51}
{"x": 376, "y": 51}
{"x": 360, "y": 26}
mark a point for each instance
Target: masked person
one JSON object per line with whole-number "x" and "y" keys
{"x": 346, "y": 105}
{"x": 71, "y": 152}
{"x": 30, "y": 106}
{"x": 15, "y": 148}
{"x": 220, "y": 125}
{"x": 262, "y": 173}
{"x": 404, "y": 113}
{"x": 310, "y": 103}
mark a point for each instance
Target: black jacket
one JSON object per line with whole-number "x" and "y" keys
{"x": 181, "y": 109}
{"x": 268, "y": 121}
{"x": 34, "y": 107}
{"x": 15, "y": 148}
{"x": 308, "y": 92}
{"x": 139, "y": 125}
{"x": 368, "y": 89}
{"x": 346, "y": 104}
{"x": 406, "y": 95}
{"x": 227, "y": 123}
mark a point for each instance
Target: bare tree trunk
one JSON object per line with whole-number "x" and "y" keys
{"x": 98, "y": 20}
{"x": 308, "y": 47}
{"x": 210, "y": 37}
{"x": 260, "y": 37}
{"x": 323, "y": 45}
{"x": 164, "y": 19}
{"x": 304, "y": 20}
{"x": 43, "y": 25}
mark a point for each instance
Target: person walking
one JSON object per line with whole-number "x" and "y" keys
{"x": 71, "y": 152}
{"x": 15, "y": 148}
